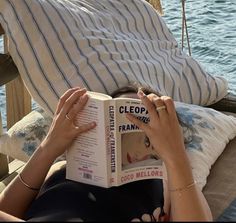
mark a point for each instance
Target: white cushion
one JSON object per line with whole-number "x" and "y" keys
{"x": 23, "y": 138}
{"x": 101, "y": 45}
{"x": 206, "y": 133}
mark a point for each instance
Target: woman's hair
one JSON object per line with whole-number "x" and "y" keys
{"x": 133, "y": 88}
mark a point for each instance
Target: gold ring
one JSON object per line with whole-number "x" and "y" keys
{"x": 160, "y": 108}
{"x": 68, "y": 117}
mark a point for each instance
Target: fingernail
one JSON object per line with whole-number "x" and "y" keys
{"x": 80, "y": 89}
{"x": 84, "y": 96}
{"x": 140, "y": 94}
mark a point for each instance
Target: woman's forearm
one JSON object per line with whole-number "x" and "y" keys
{"x": 17, "y": 197}
{"x": 19, "y": 194}
{"x": 166, "y": 137}
{"x": 6, "y": 217}
{"x": 187, "y": 201}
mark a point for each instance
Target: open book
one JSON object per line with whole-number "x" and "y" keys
{"x": 115, "y": 152}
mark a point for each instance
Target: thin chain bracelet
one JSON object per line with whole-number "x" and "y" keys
{"x": 27, "y": 185}
{"x": 182, "y": 189}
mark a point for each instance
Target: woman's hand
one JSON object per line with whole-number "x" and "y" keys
{"x": 63, "y": 131}
{"x": 163, "y": 129}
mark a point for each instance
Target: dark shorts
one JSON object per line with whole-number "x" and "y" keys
{"x": 64, "y": 200}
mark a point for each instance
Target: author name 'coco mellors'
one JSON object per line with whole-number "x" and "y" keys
{"x": 141, "y": 174}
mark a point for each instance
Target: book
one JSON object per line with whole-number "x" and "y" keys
{"x": 116, "y": 151}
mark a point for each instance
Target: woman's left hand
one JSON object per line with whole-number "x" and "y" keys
{"x": 63, "y": 131}
{"x": 163, "y": 130}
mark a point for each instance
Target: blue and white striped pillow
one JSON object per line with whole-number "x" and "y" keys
{"x": 101, "y": 45}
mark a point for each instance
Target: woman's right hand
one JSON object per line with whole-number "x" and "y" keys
{"x": 163, "y": 129}
{"x": 63, "y": 131}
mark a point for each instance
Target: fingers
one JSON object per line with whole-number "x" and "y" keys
{"x": 140, "y": 124}
{"x": 84, "y": 128}
{"x": 64, "y": 97}
{"x": 170, "y": 106}
{"x": 72, "y": 102}
{"x": 154, "y": 104}
{"x": 160, "y": 106}
{"x": 73, "y": 98}
{"x": 147, "y": 103}
{"x": 77, "y": 107}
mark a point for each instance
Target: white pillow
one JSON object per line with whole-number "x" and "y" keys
{"x": 206, "y": 133}
{"x": 23, "y": 138}
{"x": 101, "y": 45}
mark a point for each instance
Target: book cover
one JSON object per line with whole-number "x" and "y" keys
{"x": 116, "y": 151}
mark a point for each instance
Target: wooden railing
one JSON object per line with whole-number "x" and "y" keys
{"x": 18, "y": 104}
{"x": 3, "y": 159}
{"x": 18, "y": 101}
{"x": 1, "y": 30}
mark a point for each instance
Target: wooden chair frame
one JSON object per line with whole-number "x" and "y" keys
{"x": 18, "y": 104}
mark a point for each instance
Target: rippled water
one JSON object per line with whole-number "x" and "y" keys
{"x": 212, "y": 33}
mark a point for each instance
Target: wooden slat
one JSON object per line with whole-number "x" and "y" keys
{"x": 15, "y": 168}
{"x": 18, "y": 101}
{"x": 3, "y": 166}
{"x": 8, "y": 69}
{"x": 3, "y": 159}
{"x": 227, "y": 104}
{"x": 157, "y": 5}
{"x": 1, "y": 30}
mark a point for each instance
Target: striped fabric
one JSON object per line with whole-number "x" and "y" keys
{"x": 101, "y": 45}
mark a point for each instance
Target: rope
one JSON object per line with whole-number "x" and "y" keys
{"x": 185, "y": 28}
{"x": 157, "y": 5}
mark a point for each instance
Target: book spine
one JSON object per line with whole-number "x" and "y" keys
{"x": 112, "y": 143}
{"x": 107, "y": 139}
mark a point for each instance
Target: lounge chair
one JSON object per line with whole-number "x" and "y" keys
{"x": 220, "y": 189}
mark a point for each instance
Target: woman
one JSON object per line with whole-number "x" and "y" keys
{"x": 60, "y": 199}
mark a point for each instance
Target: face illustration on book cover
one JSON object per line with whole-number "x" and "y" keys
{"x": 137, "y": 151}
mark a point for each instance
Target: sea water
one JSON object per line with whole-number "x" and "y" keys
{"x": 212, "y": 35}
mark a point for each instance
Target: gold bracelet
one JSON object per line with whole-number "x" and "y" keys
{"x": 27, "y": 185}
{"x": 180, "y": 190}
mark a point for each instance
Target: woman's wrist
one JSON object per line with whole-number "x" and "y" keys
{"x": 179, "y": 167}
{"x": 44, "y": 153}
{"x": 51, "y": 149}
{"x": 36, "y": 169}
{"x": 178, "y": 160}
{"x": 179, "y": 173}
